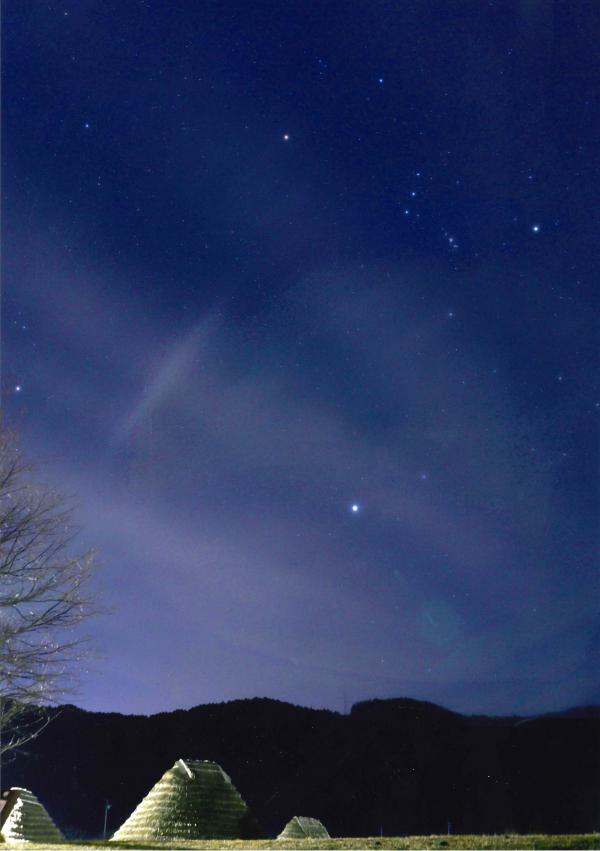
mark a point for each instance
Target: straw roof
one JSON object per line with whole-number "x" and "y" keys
{"x": 301, "y": 827}
{"x": 24, "y": 819}
{"x": 193, "y": 800}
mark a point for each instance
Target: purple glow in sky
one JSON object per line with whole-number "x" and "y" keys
{"x": 324, "y": 393}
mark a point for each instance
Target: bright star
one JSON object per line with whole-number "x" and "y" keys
{"x": 355, "y": 508}
{"x": 286, "y": 137}
{"x": 536, "y": 228}
{"x": 18, "y": 388}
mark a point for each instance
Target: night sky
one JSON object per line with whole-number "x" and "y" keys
{"x": 300, "y": 300}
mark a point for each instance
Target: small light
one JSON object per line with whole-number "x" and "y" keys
{"x": 536, "y": 228}
{"x": 286, "y": 137}
{"x": 18, "y": 388}
{"x": 354, "y": 508}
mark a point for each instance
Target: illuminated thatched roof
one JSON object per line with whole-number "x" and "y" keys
{"x": 301, "y": 827}
{"x": 192, "y": 800}
{"x": 24, "y": 819}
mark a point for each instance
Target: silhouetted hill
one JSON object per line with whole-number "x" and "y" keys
{"x": 397, "y": 766}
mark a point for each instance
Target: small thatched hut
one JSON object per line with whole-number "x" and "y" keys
{"x": 24, "y": 819}
{"x": 303, "y": 827}
{"x": 193, "y": 800}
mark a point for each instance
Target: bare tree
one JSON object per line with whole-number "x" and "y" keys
{"x": 43, "y": 598}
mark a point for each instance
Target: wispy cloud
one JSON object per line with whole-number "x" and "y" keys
{"x": 217, "y": 466}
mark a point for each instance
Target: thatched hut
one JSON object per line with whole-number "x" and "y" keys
{"x": 193, "y": 800}
{"x": 24, "y": 819}
{"x": 304, "y": 827}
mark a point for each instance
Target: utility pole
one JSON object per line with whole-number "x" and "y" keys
{"x": 107, "y": 807}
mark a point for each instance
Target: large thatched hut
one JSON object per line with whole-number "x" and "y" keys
{"x": 193, "y": 800}
{"x": 24, "y": 819}
{"x": 304, "y": 827}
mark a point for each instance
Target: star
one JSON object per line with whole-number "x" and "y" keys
{"x": 535, "y": 228}
{"x": 354, "y": 508}
{"x": 18, "y": 388}
{"x": 286, "y": 137}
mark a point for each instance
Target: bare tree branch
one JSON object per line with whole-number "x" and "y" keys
{"x": 43, "y": 599}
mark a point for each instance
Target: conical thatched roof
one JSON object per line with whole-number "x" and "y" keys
{"x": 192, "y": 800}
{"x": 24, "y": 819}
{"x": 301, "y": 827}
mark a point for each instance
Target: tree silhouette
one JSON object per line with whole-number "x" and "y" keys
{"x": 43, "y": 598}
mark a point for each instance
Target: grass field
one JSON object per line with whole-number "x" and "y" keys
{"x": 509, "y": 841}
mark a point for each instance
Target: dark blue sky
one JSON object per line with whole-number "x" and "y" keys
{"x": 266, "y": 261}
